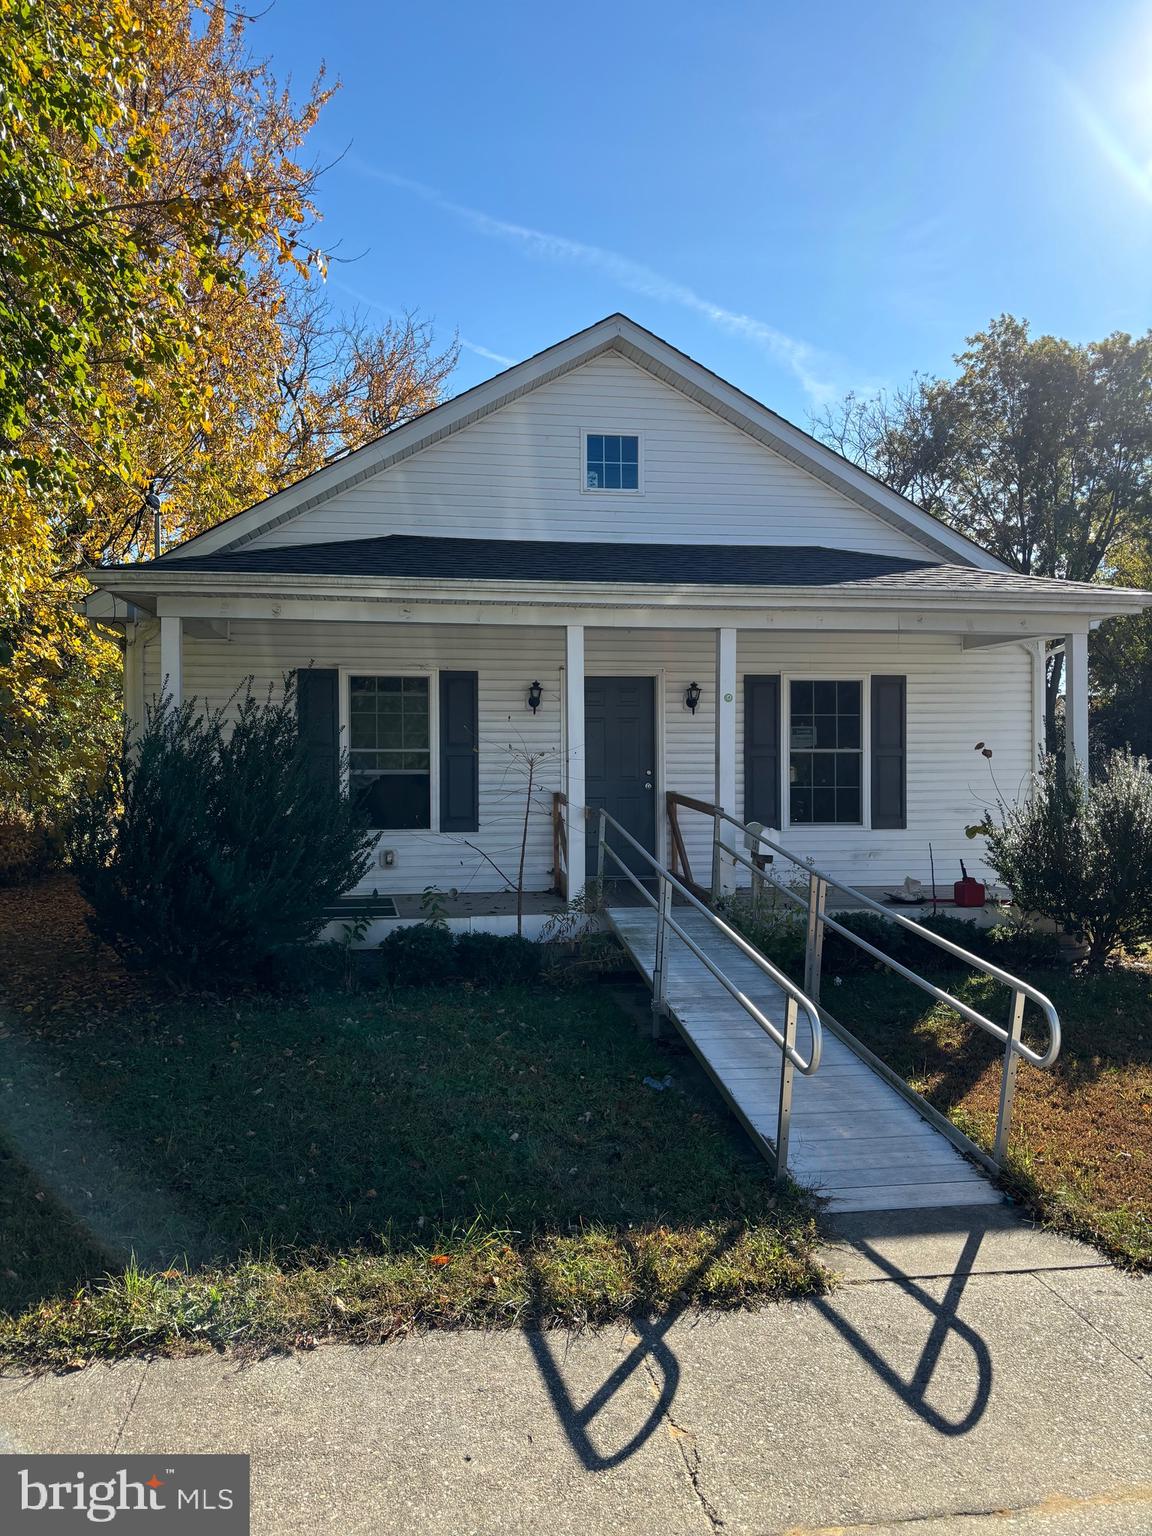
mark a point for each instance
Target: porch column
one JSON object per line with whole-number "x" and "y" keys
{"x": 172, "y": 658}
{"x": 574, "y": 754}
{"x": 1076, "y": 700}
{"x": 726, "y": 747}
{"x": 133, "y": 679}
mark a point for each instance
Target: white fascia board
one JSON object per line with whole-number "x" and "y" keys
{"x": 646, "y": 351}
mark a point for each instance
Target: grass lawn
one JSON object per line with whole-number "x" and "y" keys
{"x": 1081, "y": 1149}
{"x": 350, "y": 1165}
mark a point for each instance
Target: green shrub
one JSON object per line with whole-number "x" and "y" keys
{"x": 1015, "y": 949}
{"x": 778, "y": 930}
{"x": 497, "y": 960}
{"x": 210, "y": 852}
{"x": 423, "y": 955}
{"x": 1080, "y": 852}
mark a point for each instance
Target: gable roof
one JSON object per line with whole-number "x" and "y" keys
{"x": 620, "y": 334}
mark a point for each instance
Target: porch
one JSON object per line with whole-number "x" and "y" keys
{"x": 961, "y": 679}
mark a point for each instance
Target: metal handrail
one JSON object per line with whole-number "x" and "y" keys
{"x": 819, "y": 883}
{"x": 665, "y": 922}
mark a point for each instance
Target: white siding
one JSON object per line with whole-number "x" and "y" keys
{"x": 517, "y": 474}
{"x": 955, "y": 698}
{"x": 506, "y": 659}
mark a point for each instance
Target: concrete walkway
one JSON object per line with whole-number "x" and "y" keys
{"x": 969, "y": 1377}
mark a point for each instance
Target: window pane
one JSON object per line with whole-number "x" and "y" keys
{"x": 801, "y": 774}
{"x": 593, "y": 481}
{"x": 612, "y": 450}
{"x": 390, "y": 730}
{"x": 802, "y": 732}
{"x": 629, "y": 477}
{"x": 595, "y": 447}
{"x": 824, "y": 701}
{"x": 611, "y": 477}
{"x": 847, "y": 805}
{"x": 630, "y": 450}
{"x": 823, "y": 805}
{"x": 826, "y": 731}
{"x": 848, "y": 734}
{"x": 801, "y": 698}
{"x": 848, "y": 770}
{"x": 800, "y": 809}
{"x": 824, "y": 769}
{"x": 848, "y": 698}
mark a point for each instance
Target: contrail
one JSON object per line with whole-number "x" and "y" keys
{"x": 810, "y": 367}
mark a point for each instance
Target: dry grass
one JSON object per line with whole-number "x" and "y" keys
{"x": 1081, "y": 1148}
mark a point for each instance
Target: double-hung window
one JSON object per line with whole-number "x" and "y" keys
{"x": 825, "y": 762}
{"x": 390, "y": 750}
{"x": 611, "y": 462}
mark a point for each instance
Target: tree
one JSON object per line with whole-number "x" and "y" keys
{"x": 1039, "y": 449}
{"x": 1121, "y": 664}
{"x": 163, "y": 327}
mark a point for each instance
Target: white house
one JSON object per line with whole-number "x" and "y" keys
{"x": 609, "y": 556}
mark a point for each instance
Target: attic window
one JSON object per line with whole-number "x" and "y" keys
{"x": 611, "y": 462}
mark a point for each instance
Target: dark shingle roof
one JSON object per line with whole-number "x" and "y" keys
{"x": 762, "y": 565}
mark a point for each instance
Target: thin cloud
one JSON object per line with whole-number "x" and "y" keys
{"x": 493, "y": 357}
{"x": 814, "y": 370}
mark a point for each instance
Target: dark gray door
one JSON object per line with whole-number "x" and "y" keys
{"x": 620, "y": 763}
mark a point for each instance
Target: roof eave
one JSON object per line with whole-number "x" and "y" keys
{"x": 133, "y": 584}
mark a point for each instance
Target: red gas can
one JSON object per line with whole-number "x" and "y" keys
{"x": 968, "y": 892}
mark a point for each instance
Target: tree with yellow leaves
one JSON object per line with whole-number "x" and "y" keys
{"x": 163, "y": 328}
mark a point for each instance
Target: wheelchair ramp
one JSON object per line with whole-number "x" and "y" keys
{"x": 853, "y": 1137}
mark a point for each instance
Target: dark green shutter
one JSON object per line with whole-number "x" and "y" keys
{"x": 318, "y": 710}
{"x": 459, "y": 752}
{"x": 889, "y": 752}
{"x": 762, "y": 750}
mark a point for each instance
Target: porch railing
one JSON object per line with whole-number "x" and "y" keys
{"x": 668, "y": 884}
{"x": 560, "y": 843}
{"x": 812, "y": 898}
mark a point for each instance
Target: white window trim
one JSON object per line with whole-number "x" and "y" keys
{"x": 613, "y": 431}
{"x": 432, "y": 675}
{"x": 826, "y": 675}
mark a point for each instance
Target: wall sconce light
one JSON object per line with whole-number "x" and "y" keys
{"x": 535, "y": 696}
{"x": 692, "y": 696}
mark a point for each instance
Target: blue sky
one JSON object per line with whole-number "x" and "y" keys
{"x": 806, "y": 198}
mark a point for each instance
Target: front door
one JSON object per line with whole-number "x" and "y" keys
{"x": 620, "y": 765}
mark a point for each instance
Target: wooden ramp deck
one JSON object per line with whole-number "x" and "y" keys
{"x": 853, "y": 1137}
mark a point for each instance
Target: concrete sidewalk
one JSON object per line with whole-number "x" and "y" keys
{"x": 969, "y": 1377}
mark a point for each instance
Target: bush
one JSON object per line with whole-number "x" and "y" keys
{"x": 1012, "y": 948}
{"x": 25, "y": 850}
{"x": 210, "y": 851}
{"x": 497, "y": 960}
{"x": 1080, "y": 852}
{"x": 777, "y": 930}
{"x": 423, "y": 955}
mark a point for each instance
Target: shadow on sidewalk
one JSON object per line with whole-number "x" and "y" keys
{"x": 913, "y": 1391}
{"x": 653, "y": 1355}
